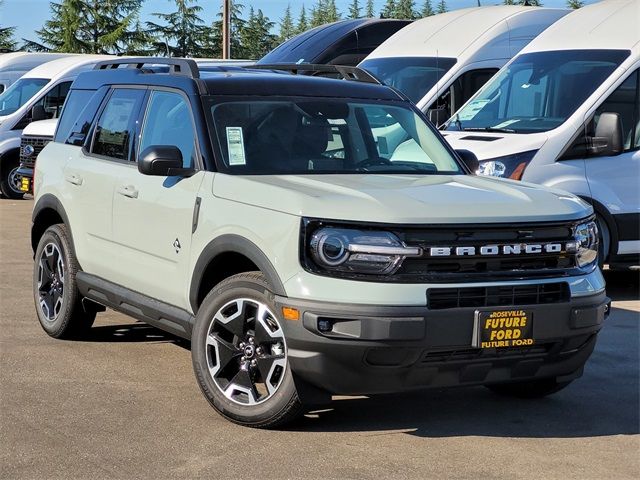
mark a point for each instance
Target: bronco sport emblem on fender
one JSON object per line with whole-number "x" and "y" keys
{"x": 176, "y": 245}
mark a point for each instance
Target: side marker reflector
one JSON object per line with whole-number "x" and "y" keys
{"x": 290, "y": 313}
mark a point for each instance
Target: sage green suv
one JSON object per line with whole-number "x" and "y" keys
{"x": 277, "y": 219}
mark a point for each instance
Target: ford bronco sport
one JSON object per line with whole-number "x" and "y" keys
{"x": 271, "y": 218}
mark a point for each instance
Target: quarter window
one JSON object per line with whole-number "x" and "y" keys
{"x": 168, "y": 122}
{"x": 116, "y": 125}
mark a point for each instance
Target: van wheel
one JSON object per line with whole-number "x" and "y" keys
{"x": 9, "y": 185}
{"x": 55, "y": 292}
{"x": 529, "y": 389}
{"x": 604, "y": 237}
{"x": 239, "y": 354}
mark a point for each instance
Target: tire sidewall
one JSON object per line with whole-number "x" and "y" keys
{"x": 57, "y": 235}
{"x": 258, "y": 414}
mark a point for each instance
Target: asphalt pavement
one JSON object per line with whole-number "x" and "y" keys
{"x": 124, "y": 404}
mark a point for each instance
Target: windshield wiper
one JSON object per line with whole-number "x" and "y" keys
{"x": 489, "y": 129}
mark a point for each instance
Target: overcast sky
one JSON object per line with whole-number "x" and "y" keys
{"x": 29, "y": 15}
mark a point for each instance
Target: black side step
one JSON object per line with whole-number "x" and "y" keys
{"x": 149, "y": 310}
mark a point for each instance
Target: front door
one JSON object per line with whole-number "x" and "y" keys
{"x": 153, "y": 215}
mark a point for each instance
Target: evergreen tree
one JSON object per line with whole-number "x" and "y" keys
{"x": 405, "y": 9}
{"x": 427, "y": 9}
{"x": 442, "y": 7}
{"x": 256, "y": 35}
{"x": 213, "y": 45}
{"x": 369, "y": 11}
{"x": 331, "y": 11}
{"x": 509, "y": 2}
{"x": 89, "y": 26}
{"x": 355, "y": 9}
{"x": 389, "y": 9}
{"x": 182, "y": 33}
{"x": 6, "y": 36}
{"x": 317, "y": 15}
{"x": 287, "y": 28}
{"x": 302, "y": 25}
{"x": 575, "y": 4}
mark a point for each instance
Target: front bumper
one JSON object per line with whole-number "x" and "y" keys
{"x": 384, "y": 349}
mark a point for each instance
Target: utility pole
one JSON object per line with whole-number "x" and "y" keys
{"x": 226, "y": 29}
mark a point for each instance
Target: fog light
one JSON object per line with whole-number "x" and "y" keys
{"x": 324, "y": 325}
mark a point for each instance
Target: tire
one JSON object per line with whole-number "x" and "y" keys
{"x": 604, "y": 237}
{"x": 57, "y": 300}
{"x": 235, "y": 328}
{"x": 529, "y": 389}
{"x": 8, "y": 186}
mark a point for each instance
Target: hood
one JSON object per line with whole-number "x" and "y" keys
{"x": 493, "y": 145}
{"x": 404, "y": 199}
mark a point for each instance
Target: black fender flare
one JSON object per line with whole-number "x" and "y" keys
{"x": 602, "y": 211}
{"x": 48, "y": 201}
{"x": 231, "y": 243}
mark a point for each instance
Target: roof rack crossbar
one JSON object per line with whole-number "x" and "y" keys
{"x": 346, "y": 73}
{"x": 177, "y": 66}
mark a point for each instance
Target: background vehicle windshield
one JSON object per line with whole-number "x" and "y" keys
{"x": 413, "y": 76}
{"x": 320, "y": 136}
{"x": 20, "y": 93}
{"x": 537, "y": 91}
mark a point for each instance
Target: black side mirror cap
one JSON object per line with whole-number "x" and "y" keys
{"x": 469, "y": 159}
{"x": 607, "y": 139}
{"x": 38, "y": 113}
{"x": 163, "y": 161}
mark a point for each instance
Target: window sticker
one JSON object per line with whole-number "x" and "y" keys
{"x": 235, "y": 145}
{"x": 472, "y": 109}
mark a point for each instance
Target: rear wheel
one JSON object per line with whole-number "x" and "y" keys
{"x": 58, "y": 303}
{"x": 239, "y": 354}
{"x": 9, "y": 183}
{"x": 529, "y": 389}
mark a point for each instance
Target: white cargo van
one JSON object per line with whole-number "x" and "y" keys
{"x": 439, "y": 62}
{"x": 16, "y": 64}
{"x": 37, "y": 95}
{"x": 566, "y": 113}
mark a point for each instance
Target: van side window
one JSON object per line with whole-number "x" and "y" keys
{"x": 116, "y": 125}
{"x": 168, "y": 122}
{"x": 53, "y": 100}
{"x": 625, "y": 101}
{"x": 77, "y": 114}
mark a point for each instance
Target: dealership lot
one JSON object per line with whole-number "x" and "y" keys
{"x": 124, "y": 403}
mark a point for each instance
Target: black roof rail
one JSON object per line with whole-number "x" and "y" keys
{"x": 346, "y": 73}
{"x": 177, "y": 66}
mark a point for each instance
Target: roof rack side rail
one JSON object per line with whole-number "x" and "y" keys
{"x": 177, "y": 66}
{"x": 345, "y": 72}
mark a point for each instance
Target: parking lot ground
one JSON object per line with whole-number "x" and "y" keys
{"x": 124, "y": 404}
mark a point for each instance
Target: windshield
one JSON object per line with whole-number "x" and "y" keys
{"x": 322, "y": 136}
{"x": 413, "y": 76}
{"x": 20, "y": 93}
{"x": 538, "y": 91}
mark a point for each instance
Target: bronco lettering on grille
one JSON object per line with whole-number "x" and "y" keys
{"x": 488, "y": 250}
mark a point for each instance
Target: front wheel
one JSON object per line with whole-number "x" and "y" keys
{"x": 529, "y": 389}
{"x": 239, "y": 354}
{"x": 9, "y": 183}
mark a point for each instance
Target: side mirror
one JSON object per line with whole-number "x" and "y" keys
{"x": 469, "y": 159}
{"x": 38, "y": 113}
{"x": 607, "y": 139}
{"x": 438, "y": 116}
{"x": 163, "y": 161}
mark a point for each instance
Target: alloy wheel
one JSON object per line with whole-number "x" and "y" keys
{"x": 246, "y": 351}
{"x": 51, "y": 281}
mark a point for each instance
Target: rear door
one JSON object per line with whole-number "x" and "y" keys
{"x": 152, "y": 215}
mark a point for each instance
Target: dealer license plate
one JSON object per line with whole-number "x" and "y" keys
{"x": 503, "y": 328}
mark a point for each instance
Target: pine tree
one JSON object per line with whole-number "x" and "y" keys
{"x": 287, "y": 28}
{"x": 6, "y": 36}
{"x": 575, "y": 4}
{"x": 355, "y": 9}
{"x": 389, "y": 9}
{"x": 427, "y": 9}
{"x": 509, "y": 2}
{"x": 331, "y": 11}
{"x": 317, "y": 15}
{"x": 405, "y": 9}
{"x": 89, "y": 26}
{"x": 442, "y": 7}
{"x": 213, "y": 44}
{"x": 256, "y": 35}
{"x": 182, "y": 33}
{"x": 369, "y": 11}
{"x": 302, "y": 25}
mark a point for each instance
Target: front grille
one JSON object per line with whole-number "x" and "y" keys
{"x": 469, "y": 354}
{"x": 499, "y": 296}
{"x": 38, "y": 143}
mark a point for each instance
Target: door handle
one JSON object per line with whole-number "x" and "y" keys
{"x": 128, "y": 191}
{"x": 73, "y": 178}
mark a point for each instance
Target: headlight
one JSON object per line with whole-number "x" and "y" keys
{"x": 585, "y": 245}
{"x": 510, "y": 166}
{"x": 358, "y": 251}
